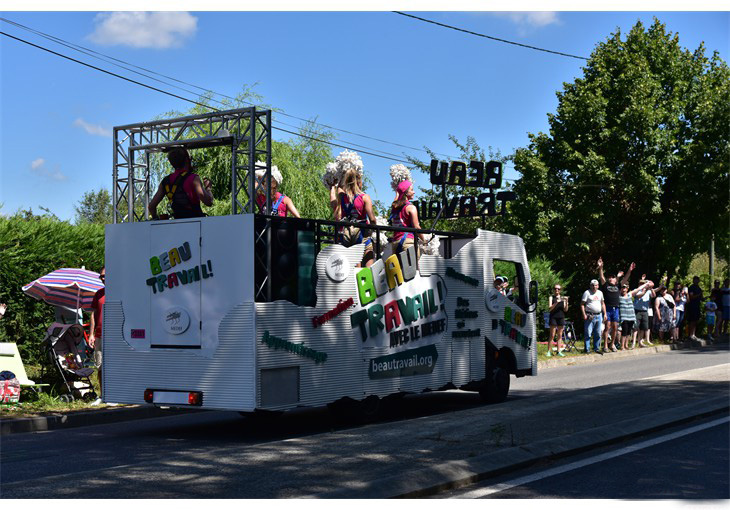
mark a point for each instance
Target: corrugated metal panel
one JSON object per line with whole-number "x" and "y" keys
{"x": 476, "y": 260}
{"x": 477, "y": 359}
{"x": 229, "y": 374}
{"x": 467, "y": 261}
{"x": 226, "y": 379}
{"x": 341, "y": 374}
{"x": 507, "y": 247}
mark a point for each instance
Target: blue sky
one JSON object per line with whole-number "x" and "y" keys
{"x": 373, "y": 73}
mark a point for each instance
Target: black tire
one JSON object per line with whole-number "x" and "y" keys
{"x": 392, "y": 405}
{"x": 68, "y": 398}
{"x": 347, "y": 410}
{"x": 369, "y": 409}
{"x": 496, "y": 387}
{"x": 262, "y": 417}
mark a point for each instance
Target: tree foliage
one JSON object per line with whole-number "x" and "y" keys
{"x": 635, "y": 166}
{"x": 94, "y": 207}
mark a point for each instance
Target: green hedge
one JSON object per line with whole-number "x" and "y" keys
{"x": 32, "y": 246}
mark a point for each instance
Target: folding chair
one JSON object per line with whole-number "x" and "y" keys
{"x": 569, "y": 337}
{"x": 10, "y": 360}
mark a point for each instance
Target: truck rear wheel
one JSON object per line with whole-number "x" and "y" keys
{"x": 496, "y": 386}
{"x": 349, "y": 410}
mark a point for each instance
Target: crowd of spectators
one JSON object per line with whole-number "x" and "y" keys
{"x": 617, "y": 317}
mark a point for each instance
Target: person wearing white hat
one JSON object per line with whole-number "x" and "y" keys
{"x": 281, "y": 205}
{"x": 593, "y": 308}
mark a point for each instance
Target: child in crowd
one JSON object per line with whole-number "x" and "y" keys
{"x": 710, "y": 309}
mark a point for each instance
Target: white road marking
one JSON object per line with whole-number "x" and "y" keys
{"x": 487, "y": 491}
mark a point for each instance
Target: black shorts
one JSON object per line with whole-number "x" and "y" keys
{"x": 693, "y": 315}
{"x": 642, "y": 319}
{"x": 626, "y": 327}
{"x": 557, "y": 321}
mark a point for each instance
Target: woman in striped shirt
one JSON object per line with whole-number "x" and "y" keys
{"x": 627, "y": 314}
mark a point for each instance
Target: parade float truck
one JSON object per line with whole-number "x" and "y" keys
{"x": 251, "y": 312}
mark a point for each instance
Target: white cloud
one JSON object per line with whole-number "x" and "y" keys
{"x": 92, "y": 129}
{"x": 526, "y": 21}
{"x": 144, "y": 29}
{"x": 38, "y": 167}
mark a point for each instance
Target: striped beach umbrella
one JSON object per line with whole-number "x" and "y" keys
{"x": 72, "y": 288}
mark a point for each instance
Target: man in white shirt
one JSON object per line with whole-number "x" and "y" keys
{"x": 593, "y": 308}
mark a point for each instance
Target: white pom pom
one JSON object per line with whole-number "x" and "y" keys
{"x": 398, "y": 174}
{"x": 275, "y": 174}
{"x": 348, "y": 160}
{"x": 431, "y": 247}
{"x": 379, "y": 220}
{"x": 331, "y": 176}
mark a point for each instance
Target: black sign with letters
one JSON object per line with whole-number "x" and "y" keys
{"x": 476, "y": 175}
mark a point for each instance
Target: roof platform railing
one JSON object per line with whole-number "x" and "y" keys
{"x": 247, "y": 131}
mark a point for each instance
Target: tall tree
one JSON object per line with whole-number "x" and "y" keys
{"x": 94, "y": 207}
{"x": 635, "y": 166}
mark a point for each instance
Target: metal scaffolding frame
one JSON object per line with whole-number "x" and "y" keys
{"x": 246, "y": 131}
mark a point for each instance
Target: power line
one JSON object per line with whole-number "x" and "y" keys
{"x": 189, "y": 100}
{"x": 488, "y": 36}
{"x": 401, "y": 160}
{"x": 102, "y": 56}
{"x": 108, "y": 59}
{"x": 104, "y": 70}
{"x": 387, "y": 157}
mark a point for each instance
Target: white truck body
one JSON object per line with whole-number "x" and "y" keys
{"x": 180, "y": 317}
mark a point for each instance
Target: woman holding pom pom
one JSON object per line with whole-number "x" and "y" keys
{"x": 404, "y": 214}
{"x": 354, "y": 205}
{"x": 281, "y": 205}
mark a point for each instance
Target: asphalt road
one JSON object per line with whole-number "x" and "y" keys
{"x": 309, "y": 454}
{"x": 688, "y": 462}
{"x": 618, "y": 370}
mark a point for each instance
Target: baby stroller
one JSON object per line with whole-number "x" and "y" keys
{"x": 64, "y": 344}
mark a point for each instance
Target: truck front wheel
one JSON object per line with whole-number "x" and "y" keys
{"x": 496, "y": 386}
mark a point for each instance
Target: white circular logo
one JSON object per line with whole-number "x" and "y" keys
{"x": 176, "y": 320}
{"x": 491, "y": 299}
{"x": 337, "y": 267}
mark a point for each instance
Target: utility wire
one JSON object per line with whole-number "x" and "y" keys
{"x": 111, "y": 60}
{"x": 488, "y": 36}
{"x": 399, "y": 158}
{"x": 396, "y": 158}
{"x": 104, "y": 57}
{"x": 104, "y": 70}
